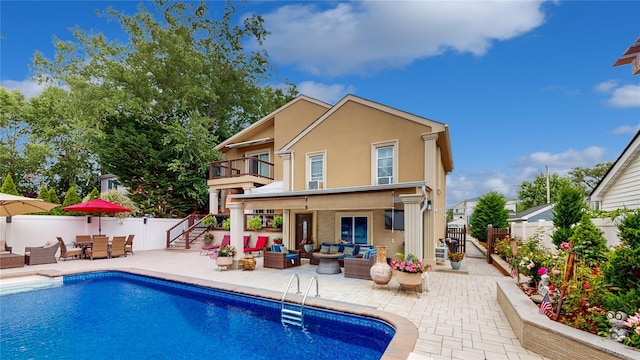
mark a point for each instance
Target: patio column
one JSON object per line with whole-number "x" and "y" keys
{"x": 237, "y": 229}
{"x": 213, "y": 201}
{"x": 412, "y": 240}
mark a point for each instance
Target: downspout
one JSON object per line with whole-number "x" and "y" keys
{"x": 422, "y": 210}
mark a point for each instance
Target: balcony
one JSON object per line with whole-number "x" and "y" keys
{"x": 241, "y": 171}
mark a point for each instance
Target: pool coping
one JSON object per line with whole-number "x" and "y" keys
{"x": 400, "y": 347}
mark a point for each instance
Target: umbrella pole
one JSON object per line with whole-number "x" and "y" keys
{"x": 99, "y": 224}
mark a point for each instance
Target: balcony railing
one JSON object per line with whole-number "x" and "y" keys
{"x": 240, "y": 167}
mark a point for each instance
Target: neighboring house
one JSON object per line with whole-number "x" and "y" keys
{"x": 536, "y": 213}
{"x": 463, "y": 211}
{"x": 620, "y": 187}
{"x": 110, "y": 182}
{"x": 339, "y": 173}
{"x": 535, "y": 221}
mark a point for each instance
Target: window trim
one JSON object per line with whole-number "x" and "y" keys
{"x": 374, "y": 160}
{"x": 308, "y": 157}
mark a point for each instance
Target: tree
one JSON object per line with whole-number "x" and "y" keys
{"x": 534, "y": 193}
{"x": 567, "y": 211}
{"x": 176, "y": 88}
{"x": 449, "y": 216}
{"x": 71, "y": 197}
{"x": 490, "y": 210}
{"x": 588, "y": 178}
{"x": 8, "y": 186}
{"x": 589, "y": 242}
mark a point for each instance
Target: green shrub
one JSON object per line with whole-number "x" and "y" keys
{"x": 210, "y": 221}
{"x": 589, "y": 242}
{"x": 489, "y": 211}
{"x": 255, "y": 223}
{"x": 226, "y": 224}
{"x": 277, "y": 221}
{"x": 628, "y": 302}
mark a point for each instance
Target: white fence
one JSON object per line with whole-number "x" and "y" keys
{"x": 525, "y": 230}
{"x": 35, "y": 230}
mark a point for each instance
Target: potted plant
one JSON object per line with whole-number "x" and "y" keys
{"x": 208, "y": 238}
{"x": 409, "y": 270}
{"x": 255, "y": 223}
{"x": 456, "y": 257}
{"x": 277, "y": 240}
{"x": 226, "y": 224}
{"x": 277, "y": 222}
{"x": 224, "y": 255}
{"x": 307, "y": 244}
{"x": 210, "y": 222}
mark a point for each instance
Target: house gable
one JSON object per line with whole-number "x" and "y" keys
{"x": 620, "y": 186}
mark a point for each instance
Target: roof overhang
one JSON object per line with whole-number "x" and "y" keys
{"x": 249, "y": 143}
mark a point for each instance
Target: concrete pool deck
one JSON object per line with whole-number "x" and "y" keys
{"x": 458, "y": 318}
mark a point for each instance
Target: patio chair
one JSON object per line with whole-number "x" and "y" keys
{"x": 358, "y": 268}
{"x": 117, "y": 246}
{"x": 35, "y": 255}
{"x": 279, "y": 257}
{"x": 99, "y": 248}
{"x": 128, "y": 246}
{"x": 260, "y": 245}
{"x": 207, "y": 249}
{"x": 65, "y": 253}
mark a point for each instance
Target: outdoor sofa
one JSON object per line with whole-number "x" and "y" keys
{"x": 358, "y": 267}
{"x": 349, "y": 251}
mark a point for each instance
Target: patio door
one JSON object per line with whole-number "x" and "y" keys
{"x": 304, "y": 228}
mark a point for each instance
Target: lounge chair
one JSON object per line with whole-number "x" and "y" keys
{"x": 35, "y": 255}
{"x": 261, "y": 244}
{"x": 128, "y": 246}
{"x": 279, "y": 257}
{"x": 99, "y": 248}
{"x": 207, "y": 249}
{"x": 117, "y": 246}
{"x": 65, "y": 253}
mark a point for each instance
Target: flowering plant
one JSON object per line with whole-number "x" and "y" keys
{"x": 409, "y": 264}
{"x": 456, "y": 256}
{"x": 227, "y": 251}
{"x": 306, "y": 241}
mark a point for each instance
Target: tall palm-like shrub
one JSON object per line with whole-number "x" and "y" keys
{"x": 490, "y": 210}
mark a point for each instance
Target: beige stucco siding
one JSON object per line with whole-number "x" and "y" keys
{"x": 347, "y": 136}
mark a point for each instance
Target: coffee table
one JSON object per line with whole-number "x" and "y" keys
{"x": 328, "y": 263}
{"x": 11, "y": 261}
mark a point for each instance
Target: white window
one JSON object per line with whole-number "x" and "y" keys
{"x": 384, "y": 163}
{"x": 316, "y": 171}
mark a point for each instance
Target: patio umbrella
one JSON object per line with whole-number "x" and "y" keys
{"x": 97, "y": 206}
{"x": 11, "y": 205}
{"x": 18, "y": 205}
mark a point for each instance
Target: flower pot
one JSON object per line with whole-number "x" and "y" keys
{"x": 308, "y": 247}
{"x": 455, "y": 265}
{"x": 381, "y": 272}
{"x": 408, "y": 279}
{"x": 224, "y": 261}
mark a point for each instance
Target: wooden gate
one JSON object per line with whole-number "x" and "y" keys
{"x": 492, "y": 236}
{"x": 459, "y": 234}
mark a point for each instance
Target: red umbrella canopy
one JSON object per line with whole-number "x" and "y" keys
{"x": 97, "y": 206}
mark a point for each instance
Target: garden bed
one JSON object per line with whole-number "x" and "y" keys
{"x": 538, "y": 333}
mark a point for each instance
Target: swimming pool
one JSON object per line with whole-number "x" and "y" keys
{"x": 123, "y": 315}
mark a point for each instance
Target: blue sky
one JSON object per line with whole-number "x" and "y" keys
{"x": 521, "y": 84}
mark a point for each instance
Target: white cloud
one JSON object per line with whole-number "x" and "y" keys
{"x": 329, "y": 93}
{"x": 625, "y": 96}
{"x": 27, "y": 87}
{"x": 461, "y": 186}
{"x": 626, "y": 129}
{"x": 366, "y": 36}
{"x": 606, "y": 86}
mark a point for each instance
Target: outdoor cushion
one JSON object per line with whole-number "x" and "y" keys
{"x": 367, "y": 255}
{"x": 324, "y": 248}
{"x": 277, "y": 247}
{"x": 349, "y": 250}
{"x": 364, "y": 249}
{"x": 292, "y": 257}
{"x": 334, "y": 248}
{"x": 50, "y": 243}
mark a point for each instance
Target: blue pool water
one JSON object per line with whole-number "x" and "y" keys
{"x": 126, "y": 316}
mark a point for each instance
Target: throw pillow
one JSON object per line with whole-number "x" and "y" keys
{"x": 284, "y": 249}
{"x": 324, "y": 248}
{"x": 334, "y": 248}
{"x": 275, "y": 248}
{"x": 348, "y": 250}
{"x": 50, "y": 243}
{"x": 364, "y": 249}
{"x": 367, "y": 255}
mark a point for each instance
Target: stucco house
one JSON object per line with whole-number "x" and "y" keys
{"x": 620, "y": 186}
{"x": 338, "y": 173}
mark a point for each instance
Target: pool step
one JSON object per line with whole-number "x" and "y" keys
{"x": 292, "y": 317}
{"x": 28, "y": 283}
{"x": 294, "y": 314}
